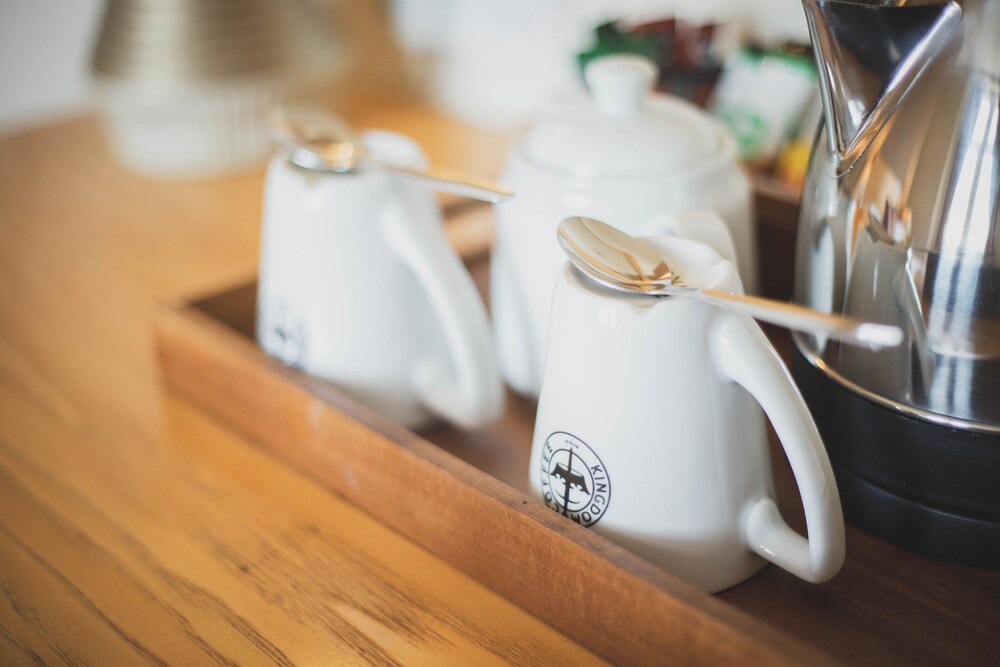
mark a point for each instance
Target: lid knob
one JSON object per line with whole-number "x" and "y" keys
{"x": 620, "y": 83}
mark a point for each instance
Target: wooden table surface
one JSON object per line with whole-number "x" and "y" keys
{"x": 135, "y": 529}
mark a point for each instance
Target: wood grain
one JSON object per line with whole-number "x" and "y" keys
{"x": 135, "y": 529}
{"x": 886, "y": 607}
{"x": 598, "y": 593}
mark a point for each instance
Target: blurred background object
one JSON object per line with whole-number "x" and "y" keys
{"x": 500, "y": 65}
{"x": 490, "y": 65}
{"x": 761, "y": 97}
{"x": 497, "y": 64}
{"x": 186, "y": 85}
{"x": 41, "y": 85}
{"x": 686, "y": 53}
{"x": 494, "y": 64}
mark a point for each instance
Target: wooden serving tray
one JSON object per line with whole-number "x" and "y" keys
{"x": 463, "y": 497}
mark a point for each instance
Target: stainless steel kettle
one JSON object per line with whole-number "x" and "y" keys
{"x": 900, "y": 223}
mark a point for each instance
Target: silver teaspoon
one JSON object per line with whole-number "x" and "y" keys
{"x": 314, "y": 139}
{"x": 624, "y": 263}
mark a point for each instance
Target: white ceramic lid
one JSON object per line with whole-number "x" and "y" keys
{"x": 622, "y": 130}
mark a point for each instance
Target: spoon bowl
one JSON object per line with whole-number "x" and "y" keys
{"x": 316, "y": 140}
{"x": 609, "y": 255}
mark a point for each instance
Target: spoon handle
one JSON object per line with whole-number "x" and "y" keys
{"x": 799, "y": 318}
{"x": 447, "y": 181}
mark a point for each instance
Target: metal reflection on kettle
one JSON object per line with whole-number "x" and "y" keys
{"x": 900, "y": 223}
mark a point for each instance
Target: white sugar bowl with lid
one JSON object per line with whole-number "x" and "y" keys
{"x": 636, "y": 159}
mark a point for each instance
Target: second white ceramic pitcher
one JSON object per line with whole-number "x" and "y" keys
{"x": 359, "y": 286}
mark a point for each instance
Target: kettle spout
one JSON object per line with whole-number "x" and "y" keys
{"x": 868, "y": 55}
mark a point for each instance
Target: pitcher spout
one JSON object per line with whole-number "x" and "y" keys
{"x": 868, "y": 56}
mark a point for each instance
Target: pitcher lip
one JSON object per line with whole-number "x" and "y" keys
{"x": 721, "y": 273}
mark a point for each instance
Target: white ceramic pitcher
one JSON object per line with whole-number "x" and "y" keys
{"x": 358, "y": 285}
{"x": 649, "y": 430}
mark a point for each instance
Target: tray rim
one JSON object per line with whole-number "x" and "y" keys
{"x": 658, "y": 616}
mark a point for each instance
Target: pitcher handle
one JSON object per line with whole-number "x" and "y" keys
{"x": 465, "y": 388}
{"x": 744, "y": 355}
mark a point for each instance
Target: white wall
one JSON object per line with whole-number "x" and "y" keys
{"x": 44, "y": 52}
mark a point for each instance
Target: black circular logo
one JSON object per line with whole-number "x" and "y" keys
{"x": 574, "y": 480}
{"x": 282, "y": 334}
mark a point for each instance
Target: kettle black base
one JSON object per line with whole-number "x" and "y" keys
{"x": 923, "y": 486}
